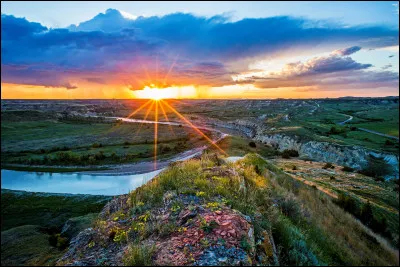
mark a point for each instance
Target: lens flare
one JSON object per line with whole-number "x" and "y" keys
{"x": 195, "y": 128}
{"x": 155, "y": 135}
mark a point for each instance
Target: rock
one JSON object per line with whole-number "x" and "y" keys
{"x": 220, "y": 255}
{"x": 120, "y": 203}
{"x": 187, "y": 216}
{"x": 223, "y": 259}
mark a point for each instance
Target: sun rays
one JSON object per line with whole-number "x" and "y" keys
{"x": 158, "y": 96}
{"x": 161, "y": 105}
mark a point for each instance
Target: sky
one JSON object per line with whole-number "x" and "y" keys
{"x": 79, "y": 50}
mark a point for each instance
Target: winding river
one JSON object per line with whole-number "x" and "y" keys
{"x": 120, "y": 180}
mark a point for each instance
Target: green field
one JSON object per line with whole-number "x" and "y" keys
{"x": 50, "y": 142}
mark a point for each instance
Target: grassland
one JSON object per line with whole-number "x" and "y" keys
{"x": 54, "y": 142}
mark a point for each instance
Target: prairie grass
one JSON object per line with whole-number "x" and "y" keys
{"x": 309, "y": 229}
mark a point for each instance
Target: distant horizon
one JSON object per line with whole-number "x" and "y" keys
{"x": 195, "y": 99}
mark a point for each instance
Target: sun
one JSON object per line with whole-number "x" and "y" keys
{"x": 157, "y": 97}
{"x": 172, "y": 92}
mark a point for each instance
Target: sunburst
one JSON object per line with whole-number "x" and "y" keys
{"x": 158, "y": 98}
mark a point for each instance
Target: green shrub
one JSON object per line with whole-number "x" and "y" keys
{"x": 347, "y": 169}
{"x": 137, "y": 255}
{"x": 376, "y": 168}
{"x": 288, "y": 153}
{"x": 337, "y": 130}
{"x": 164, "y": 148}
{"x": 328, "y": 165}
{"x": 97, "y": 145}
{"x": 252, "y": 144}
{"x": 57, "y": 241}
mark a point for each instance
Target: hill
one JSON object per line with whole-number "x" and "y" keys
{"x": 207, "y": 211}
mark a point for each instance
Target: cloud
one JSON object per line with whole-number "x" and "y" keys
{"x": 320, "y": 65}
{"x": 218, "y": 38}
{"x": 96, "y": 80}
{"x": 142, "y": 50}
{"x": 388, "y": 66}
{"x": 347, "y": 51}
{"x": 332, "y": 72}
{"x": 28, "y": 75}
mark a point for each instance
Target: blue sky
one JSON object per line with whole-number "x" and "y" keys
{"x": 50, "y": 14}
{"x": 218, "y": 49}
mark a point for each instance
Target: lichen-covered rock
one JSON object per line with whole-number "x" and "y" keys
{"x": 185, "y": 230}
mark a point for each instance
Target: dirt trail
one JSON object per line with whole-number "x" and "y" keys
{"x": 367, "y": 130}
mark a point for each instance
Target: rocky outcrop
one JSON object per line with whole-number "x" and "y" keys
{"x": 197, "y": 233}
{"x": 352, "y": 156}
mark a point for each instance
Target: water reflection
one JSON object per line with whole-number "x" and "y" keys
{"x": 74, "y": 183}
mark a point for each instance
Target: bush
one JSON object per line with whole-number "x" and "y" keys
{"x": 389, "y": 143}
{"x": 252, "y": 144}
{"x": 137, "y": 255}
{"x": 376, "y": 168}
{"x": 347, "y": 169}
{"x": 288, "y": 153}
{"x": 336, "y": 130}
{"x": 328, "y": 165}
{"x": 56, "y": 240}
{"x": 97, "y": 145}
{"x": 164, "y": 148}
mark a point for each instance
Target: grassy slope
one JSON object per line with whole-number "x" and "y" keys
{"x": 27, "y": 245}
{"x": 382, "y": 195}
{"x": 47, "y": 210}
{"x": 28, "y": 219}
{"x": 238, "y": 146}
{"x": 307, "y": 226}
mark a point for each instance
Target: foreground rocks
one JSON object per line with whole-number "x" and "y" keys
{"x": 194, "y": 233}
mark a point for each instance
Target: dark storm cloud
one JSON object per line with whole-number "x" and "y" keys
{"x": 110, "y": 44}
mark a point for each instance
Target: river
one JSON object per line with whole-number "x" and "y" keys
{"x": 118, "y": 181}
